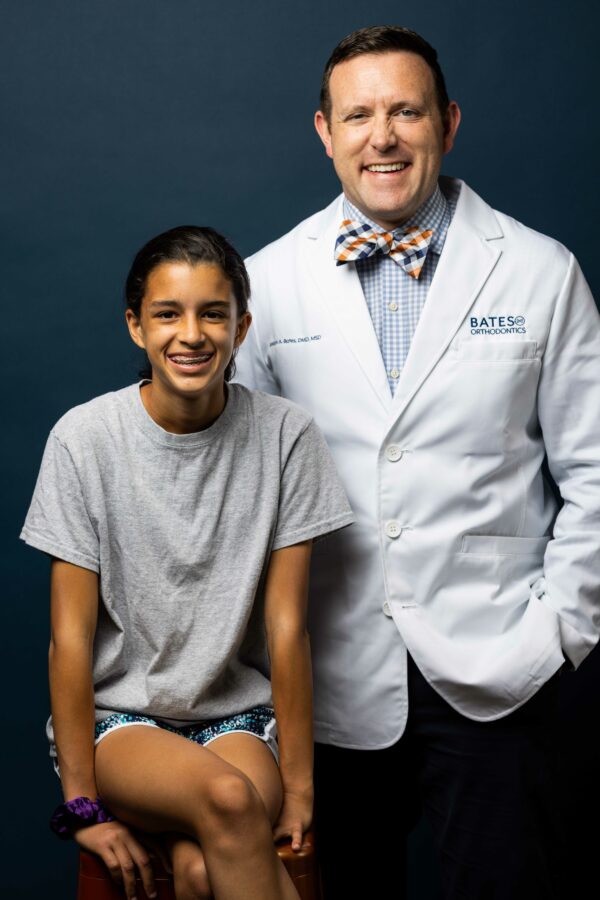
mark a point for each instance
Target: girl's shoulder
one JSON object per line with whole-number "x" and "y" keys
{"x": 269, "y": 411}
{"x": 100, "y": 415}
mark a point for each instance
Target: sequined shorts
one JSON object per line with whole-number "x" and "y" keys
{"x": 258, "y": 721}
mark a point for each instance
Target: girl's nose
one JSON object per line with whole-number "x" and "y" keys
{"x": 192, "y": 331}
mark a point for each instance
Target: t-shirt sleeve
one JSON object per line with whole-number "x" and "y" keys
{"x": 312, "y": 501}
{"x": 58, "y": 521}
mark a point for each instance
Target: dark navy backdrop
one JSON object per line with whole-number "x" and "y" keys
{"x": 126, "y": 117}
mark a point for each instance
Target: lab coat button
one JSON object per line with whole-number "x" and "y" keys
{"x": 393, "y": 529}
{"x": 386, "y": 609}
{"x": 393, "y": 452}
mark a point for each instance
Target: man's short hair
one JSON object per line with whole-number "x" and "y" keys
{"x": 383, "y": 39}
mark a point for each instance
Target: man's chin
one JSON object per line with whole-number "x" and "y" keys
{"x": 391, "y": 215}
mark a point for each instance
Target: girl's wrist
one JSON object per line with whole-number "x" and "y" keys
{"x": 302, "y": 788}
{"x": 74, "y": 788}
{"x": 77, "y": 775}
{"x": 80, "y": 812}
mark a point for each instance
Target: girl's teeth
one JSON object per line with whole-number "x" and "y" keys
{"x": 189, "y": 360}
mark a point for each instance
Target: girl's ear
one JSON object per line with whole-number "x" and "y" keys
{"x": 243, "y": 325}
{"x": 135, "y": 328}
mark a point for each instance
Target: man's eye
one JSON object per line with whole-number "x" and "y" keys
{"x": 407, "y": 113}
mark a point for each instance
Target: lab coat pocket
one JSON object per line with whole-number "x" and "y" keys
{"x": 482, "y": 349}
{"x": 489, "y": 394}
{"x": 502, "y": 545}
{"x": 501, "y": 568}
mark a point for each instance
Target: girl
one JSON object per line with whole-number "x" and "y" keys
{"x": 179, "y": 515}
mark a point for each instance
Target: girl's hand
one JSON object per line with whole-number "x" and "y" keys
{"x": 121, "y": 853}
{"x": 294, "y": 818}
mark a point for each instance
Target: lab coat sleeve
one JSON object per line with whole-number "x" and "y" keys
{"x": 252, "y": 369}
{"x": 569, "y": 415}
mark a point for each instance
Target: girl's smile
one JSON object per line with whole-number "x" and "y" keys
{"x": 191, "y": 362}
{"x": 189, "y": 327}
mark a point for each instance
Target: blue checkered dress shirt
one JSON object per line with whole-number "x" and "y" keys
{"x": 395, "y": 300}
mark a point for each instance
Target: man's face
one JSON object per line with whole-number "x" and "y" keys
{"x": 386, "y": 136}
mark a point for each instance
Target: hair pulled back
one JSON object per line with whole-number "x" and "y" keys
{"x": 192, "y": 244}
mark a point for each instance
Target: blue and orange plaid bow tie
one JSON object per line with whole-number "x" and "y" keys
{"x": 358, "y": 241}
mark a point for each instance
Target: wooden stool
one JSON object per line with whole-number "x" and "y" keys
{"x": 95, "y": 882}
{"x": 302, "y": 867}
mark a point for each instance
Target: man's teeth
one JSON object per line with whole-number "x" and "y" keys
{"x": 392, "y": 167}
{"x": 191, "y": 360}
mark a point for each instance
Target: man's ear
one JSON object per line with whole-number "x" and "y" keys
{"x": 452, "y": 122}
{"x": 135, "y": 328}
{"x": 322, "y": 127}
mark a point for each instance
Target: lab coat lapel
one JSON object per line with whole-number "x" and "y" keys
{"x": 468, "y": 258}
{"x": 340, "y": 288}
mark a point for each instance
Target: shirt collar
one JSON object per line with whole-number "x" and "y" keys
{"x": 434, "y": 213}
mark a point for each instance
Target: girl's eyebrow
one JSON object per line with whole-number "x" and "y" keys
{"x": 163, "y": 303}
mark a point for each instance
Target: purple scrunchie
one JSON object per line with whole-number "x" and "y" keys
{"x": 78, "y": 813}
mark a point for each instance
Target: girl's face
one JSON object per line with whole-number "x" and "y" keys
{"x": 189, "y": 327}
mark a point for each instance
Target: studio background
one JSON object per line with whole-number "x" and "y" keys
{"x": 123, "y": 118}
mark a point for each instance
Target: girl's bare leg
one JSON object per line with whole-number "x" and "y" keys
{"x": 224, "y": 798}
{"x": 190, "y": 877}
{"x": 251, "y": 756}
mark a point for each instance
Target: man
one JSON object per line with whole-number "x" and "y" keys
{"x": 445, "y": 350}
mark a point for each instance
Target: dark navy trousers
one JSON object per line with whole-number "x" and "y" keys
{"x": 488, "y": 789}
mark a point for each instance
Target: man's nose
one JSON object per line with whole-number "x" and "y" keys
{"x": 383, "y": 135}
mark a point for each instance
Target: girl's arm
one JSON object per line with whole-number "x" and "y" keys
{"x": 286, "y": 594}
{"x": 73, "y": 616}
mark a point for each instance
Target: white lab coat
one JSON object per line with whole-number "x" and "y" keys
{"x": 457, "y": 551}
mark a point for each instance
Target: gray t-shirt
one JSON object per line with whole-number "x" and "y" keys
{"x": 180, "y": 528}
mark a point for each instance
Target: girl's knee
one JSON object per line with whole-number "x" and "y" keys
{"x": 233, "y": 798}
{"x": 233, "y": 815}
{"x": 191, "y": 879}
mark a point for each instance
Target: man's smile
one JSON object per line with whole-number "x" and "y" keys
{"x": 387, "y": 167}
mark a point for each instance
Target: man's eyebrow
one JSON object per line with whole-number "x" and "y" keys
{"x": 393, "y": 104}
{"x": 357, "y": 107}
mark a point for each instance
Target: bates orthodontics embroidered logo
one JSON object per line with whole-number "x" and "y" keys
{"x": 498, "y": 325}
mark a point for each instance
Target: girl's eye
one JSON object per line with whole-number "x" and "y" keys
{"x": 166, "y": 314}
{"x": 214, "y": 314}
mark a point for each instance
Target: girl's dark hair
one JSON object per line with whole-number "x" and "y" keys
{"x": 192, "y": 244}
